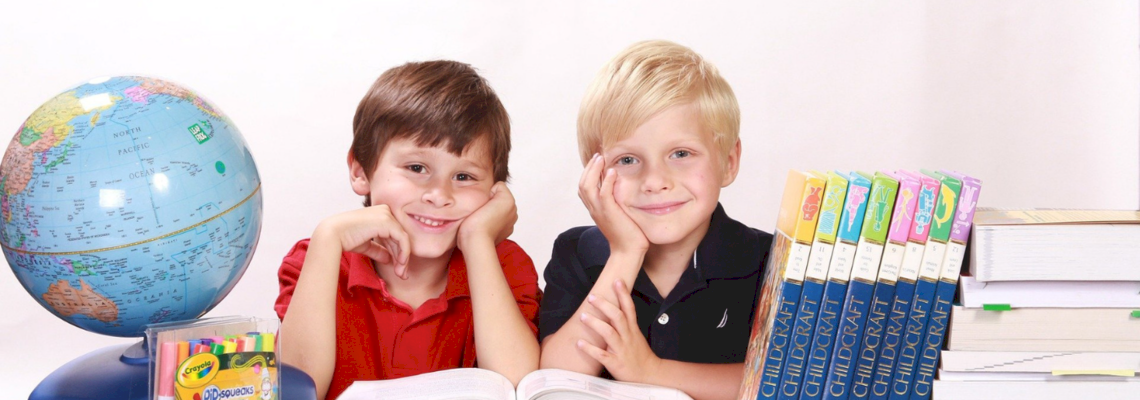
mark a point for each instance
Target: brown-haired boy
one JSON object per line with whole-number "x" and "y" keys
{"x": 421, "y": 278}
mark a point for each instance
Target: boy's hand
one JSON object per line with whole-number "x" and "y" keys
{"x": 622, "y": 233}
{"x": 375, "y": 233}
{"x": 627, "y": 355}
{"x": 494, "y": 221}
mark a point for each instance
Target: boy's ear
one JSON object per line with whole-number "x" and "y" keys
{"x": 732, "y": 165}
{"x": 357, "y": 176}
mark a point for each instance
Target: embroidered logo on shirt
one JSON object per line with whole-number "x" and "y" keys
{"x": 723, "y": 319}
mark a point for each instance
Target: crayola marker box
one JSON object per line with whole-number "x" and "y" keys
{"x": 228, "y": 358}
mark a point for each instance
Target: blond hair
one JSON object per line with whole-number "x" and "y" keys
{"x": 645, "y": 79}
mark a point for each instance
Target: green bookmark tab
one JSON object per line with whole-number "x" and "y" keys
{"x": 996, "y": 307}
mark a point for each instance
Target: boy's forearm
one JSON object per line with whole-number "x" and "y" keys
{"x": 504, "y": 342}
{"x": 308, "y": 331}
{"x": 560, "y": 349}
{"x": 701, "y": 381}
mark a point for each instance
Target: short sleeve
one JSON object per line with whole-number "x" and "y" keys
{"x": 287, "y": 276}
{"x": 566, "y": 284}
{"x": 521, "y": 276}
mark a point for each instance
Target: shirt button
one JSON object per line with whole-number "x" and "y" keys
{"x": 663, "y": 319}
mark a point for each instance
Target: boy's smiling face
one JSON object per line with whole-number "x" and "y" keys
{"x": 429, "y": 190}
{"x": 669, "y": 175}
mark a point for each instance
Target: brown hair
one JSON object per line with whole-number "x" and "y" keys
{"x": 435, "y": 103}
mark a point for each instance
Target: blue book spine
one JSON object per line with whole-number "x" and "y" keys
{"x": 851, "y": 326}
{"x": 778, "y": 344}
{"x": 831, "y": 307}
{"x": 912, "y": 339}
{"x": 947, "y": 284}
{"x": 932, "y": 342}
{"x": 872, "y": 339}
{"x": 892, "y": 338}
{"x": 800, "y": 340}
{"x": 936, "y": 331}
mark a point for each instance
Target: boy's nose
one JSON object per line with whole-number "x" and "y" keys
{"x": 656, "y": 179}
{"x": 438, "y": 195}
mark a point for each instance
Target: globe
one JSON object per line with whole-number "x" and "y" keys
{"x": 128, "y": 201}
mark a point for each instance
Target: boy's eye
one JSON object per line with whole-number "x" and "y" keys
{"x": 626, "y": 160}
{"x": 417, "y": 168}
{"x": 681, "y": 154}
{"x": 464, "y": 177}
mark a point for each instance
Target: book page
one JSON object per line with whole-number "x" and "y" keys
{"x": 458, "y": 383}
{"x": 997, "y": 216}
{"x": 554, "y": 384}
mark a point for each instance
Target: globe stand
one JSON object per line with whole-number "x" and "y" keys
{"x": 120, "y": 373}
{"x": 113, "y": 372}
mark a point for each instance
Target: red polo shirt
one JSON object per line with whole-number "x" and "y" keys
{"x": 381, "y": 337}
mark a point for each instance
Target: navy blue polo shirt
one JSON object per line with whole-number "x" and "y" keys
{"x": 707, "y": 318}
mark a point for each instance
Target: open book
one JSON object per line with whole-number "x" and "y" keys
{"x": 481, "y": 384}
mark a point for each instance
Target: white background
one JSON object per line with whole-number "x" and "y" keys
{"x": 1039, "y": 99}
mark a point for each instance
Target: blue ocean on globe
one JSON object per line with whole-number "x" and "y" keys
{"x": 128, "y": 201}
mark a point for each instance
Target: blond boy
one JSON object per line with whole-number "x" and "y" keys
{"x": 663, "y": 289}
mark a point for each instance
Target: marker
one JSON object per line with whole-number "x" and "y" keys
{"x": 201, "y": 348}
{"x": 183, "y": 351}
{"x": 216, "y": 339}
{"x": 230, "y": 347}
{"x": 217, "y": 349}
{"x": 194, "y": 345}
{"x": 248, "y": 344}
{"x": 256, "y": 336}
{"x": 268, "y": 342}
{"x": 167, "y": 357}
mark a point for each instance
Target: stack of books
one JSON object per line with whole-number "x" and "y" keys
{"x": 858, "y": 290}
{"x": 1050, "y": 308}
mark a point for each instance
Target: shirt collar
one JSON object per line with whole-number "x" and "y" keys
{"x": 362, "y": 275}
{"x": 729, "y": 249}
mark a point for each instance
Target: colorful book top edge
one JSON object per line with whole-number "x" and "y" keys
{"x": 858, "y": 187}
{"x": 809, "y": 207}
{"x": 828, "y": 226}
{"x": 789, "y": 204}
{"x": 944, "y": 208}
{"x": 905, "y": 204}
{"x": 924, "y": 210}
{"x": 881, "y": 201}
{"x": 967, "y": 203}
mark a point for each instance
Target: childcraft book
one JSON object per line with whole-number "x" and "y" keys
{"x": 834, "y": 291}
{"x": 916, "y": 235}
{"x": 947, "y": 285}
{"x": 815, "y": 278}
{"x": 482, "y": 384}
{"x": 861, "y": 287}
{"x": 782, "y": 286}
{"x": 929, "y": 272}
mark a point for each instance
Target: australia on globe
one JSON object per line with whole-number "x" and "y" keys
{"x": 128, "y": 201}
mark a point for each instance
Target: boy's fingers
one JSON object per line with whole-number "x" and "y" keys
{"x": 377, "y": 252}
{"x": 625, "y": 301}
{"x": 612, "y": 313}
{"x": 594, "y": 352}
{"x": 590, "y": 175}
{"x": 404, "y": 246}
{"x": 607, "y": 332}
{"x": 607, "y": 189}
{"x": 585, "y": 170}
